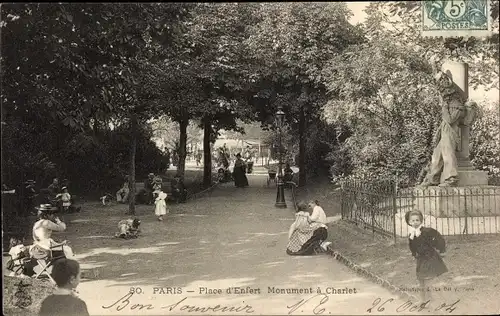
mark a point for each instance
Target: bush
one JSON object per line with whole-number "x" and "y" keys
{"x": 485, "y": 142}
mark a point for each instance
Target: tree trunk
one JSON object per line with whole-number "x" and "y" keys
{"x": 131, "y": 179}
{"x": 181, "y": 165}
{"x": 302, "y": 147}
{"x": 207, "y": 154}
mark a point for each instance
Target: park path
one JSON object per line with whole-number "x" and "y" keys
{"x": 233, "y": 238}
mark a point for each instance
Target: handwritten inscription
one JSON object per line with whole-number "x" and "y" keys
{"x": 317, "y": 301}
{"x": 126, "y": 302}
{"x": 380, "y": 306}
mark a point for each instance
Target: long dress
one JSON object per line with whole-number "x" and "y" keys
{"x": 423, "y": 247}
{"x": 160, "y": 204}
{"x": 304, "y": 236}
{"x": 240, "y": 178}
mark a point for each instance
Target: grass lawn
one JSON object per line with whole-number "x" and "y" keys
{"x": 473, "y": 261}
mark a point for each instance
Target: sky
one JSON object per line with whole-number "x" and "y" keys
{"x": 357, "y": 8}
{"x": 359, "y": 17}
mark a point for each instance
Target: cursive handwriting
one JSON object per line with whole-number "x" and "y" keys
{"x": 317, "y": 310}
{"x": 126, "y": 302}
{"x": 380, "y": 305}
{"x": 217, "y": 308}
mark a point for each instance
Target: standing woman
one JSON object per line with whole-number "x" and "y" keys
{"x": 240, "y": 178}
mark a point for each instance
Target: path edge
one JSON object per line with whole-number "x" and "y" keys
{"x": 359, "y": 270}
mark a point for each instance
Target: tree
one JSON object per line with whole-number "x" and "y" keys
{"x": 112, "y": 53}
{"x": 293, "y": 42}
{"x": 383, "y": 91}
{"x": 401, "y": 21}
{"x": 213, "y": 66}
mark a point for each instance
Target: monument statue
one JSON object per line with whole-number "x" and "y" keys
{"x": 457, "y": 117}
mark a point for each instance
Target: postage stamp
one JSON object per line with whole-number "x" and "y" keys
{"x": 452, "y": 18}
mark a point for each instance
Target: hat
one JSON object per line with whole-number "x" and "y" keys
{"x": 30, "y": 182}
{"x": 151, "y": 174}
{"x": 63, "y": 188}
{"x": 45, "y": 207}
{"x": 413, "y": 212}
{"x": 238, "y": 155}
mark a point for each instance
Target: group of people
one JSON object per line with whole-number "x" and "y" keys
{"x": 308, "y": 233}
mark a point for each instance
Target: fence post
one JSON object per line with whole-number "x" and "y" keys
{"x": 394, "y": 209}
{"x": 342, "y": 199}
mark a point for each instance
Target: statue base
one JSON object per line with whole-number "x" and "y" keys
{"x": 468, "y": 176}
{"x": 448, "y": 202}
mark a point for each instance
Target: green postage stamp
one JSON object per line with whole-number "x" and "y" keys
{"x": 452, "y": 18}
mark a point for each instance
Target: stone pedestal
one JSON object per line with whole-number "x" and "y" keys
{"x": 468, "y": 176}
{"x": 458, "y": 201}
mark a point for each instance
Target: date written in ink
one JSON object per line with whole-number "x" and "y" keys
{"x": 379, "y": 305}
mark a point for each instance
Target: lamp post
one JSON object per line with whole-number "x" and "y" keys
{"x": 280, "y": 194}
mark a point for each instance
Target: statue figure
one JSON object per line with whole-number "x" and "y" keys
{"x": 454, "y": 112}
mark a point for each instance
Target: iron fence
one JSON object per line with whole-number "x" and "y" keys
{"x": 381, "y": 208}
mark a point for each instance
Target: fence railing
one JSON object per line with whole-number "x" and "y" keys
{"x": 381, "y": 207}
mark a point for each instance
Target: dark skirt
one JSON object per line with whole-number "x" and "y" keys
{"x": 240, "y": 178}
{"x": 312, "y": 246}
{"x": 430, "y": 265}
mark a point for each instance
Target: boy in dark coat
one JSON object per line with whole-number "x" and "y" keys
{"x": 425, "y": 242}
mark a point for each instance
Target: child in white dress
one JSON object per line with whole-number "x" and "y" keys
{"x": 160, "y": 204}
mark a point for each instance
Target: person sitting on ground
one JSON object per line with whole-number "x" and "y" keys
{"x": 128, "y": 228}
{"x": 66, "y": 273}
{"x": 123, "y": 193}
{"x": 306, "y": 237}
{"x": 317, "y": 214}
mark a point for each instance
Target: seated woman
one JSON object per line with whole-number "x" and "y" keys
{"x": 123, "y": 193}
{"x": 305, "y": 237}
{"x": 43, "y": 245}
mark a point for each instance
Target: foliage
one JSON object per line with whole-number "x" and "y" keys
{"x": 401, "y": 21}
{"x": 385, "y": 95}
{"x": 485, "y": 142}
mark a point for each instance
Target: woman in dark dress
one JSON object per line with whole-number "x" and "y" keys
{"x": 240, "y": 178}
{"x": 425, "y": 242}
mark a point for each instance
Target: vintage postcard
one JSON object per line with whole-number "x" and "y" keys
{"x": 336, "y": 158}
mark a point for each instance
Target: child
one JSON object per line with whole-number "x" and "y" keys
{"x": 65, "y": 198}
{"x": 128, "y": 228}
{"x": 318, "y": 214}
{"x": 423, "y": 242}
{"x": 160, "y": 204}
{"x": 18, "y": 252}
{"x": 66, "y": 274}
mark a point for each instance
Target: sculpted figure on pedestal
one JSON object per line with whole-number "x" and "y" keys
{"x": 457, "y": 116}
